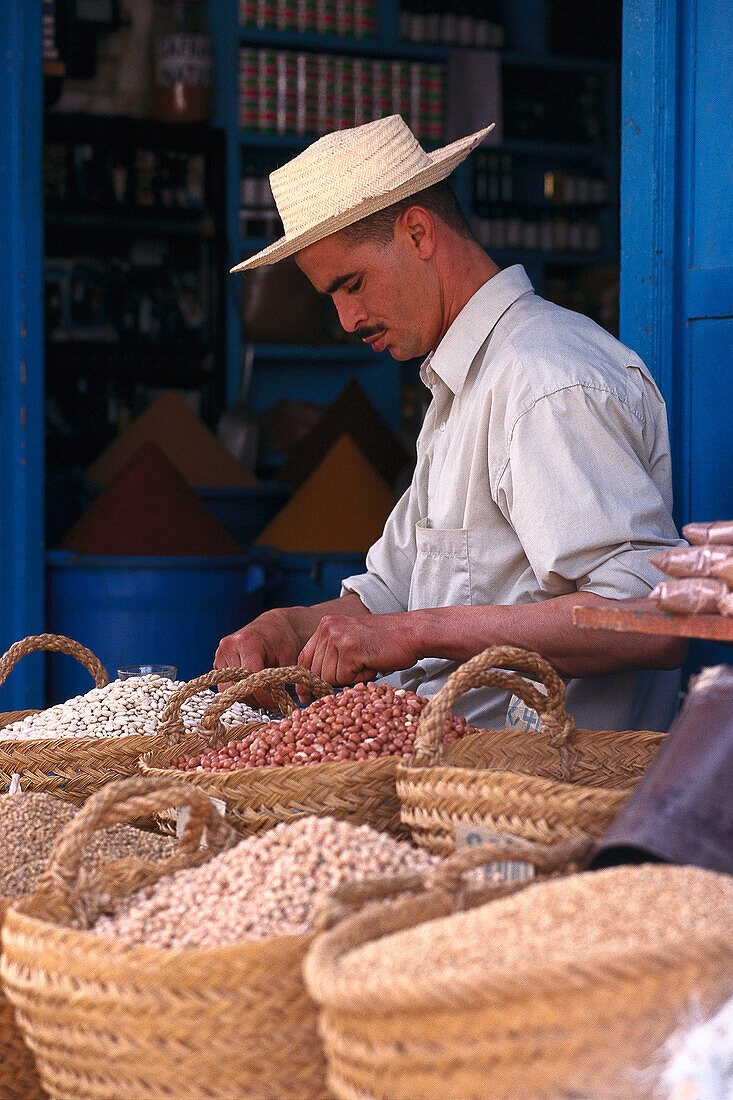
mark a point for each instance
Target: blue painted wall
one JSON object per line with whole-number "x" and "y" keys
{"x": 21, "y": 344}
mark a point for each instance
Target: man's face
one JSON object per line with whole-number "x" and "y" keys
{"x": 384, "y": 293}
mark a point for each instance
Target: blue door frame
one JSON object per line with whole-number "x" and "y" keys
{"x": 677, "y": 237}
{"x": 677, "y": 232}
{"x": 21, "y": 344}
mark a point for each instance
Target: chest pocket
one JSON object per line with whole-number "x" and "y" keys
{"x": 442, "y": 573}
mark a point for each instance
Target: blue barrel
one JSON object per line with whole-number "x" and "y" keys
{"x": 313, "y": 578}
{"x": 147, "y": 610}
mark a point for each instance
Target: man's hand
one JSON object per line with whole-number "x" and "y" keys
{"x": 271, "y": 640}
{"x": 275, "y": 638}
{"x": 347, "y": 649}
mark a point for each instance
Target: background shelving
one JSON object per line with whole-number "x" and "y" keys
{"x": 569, "y": 245}
{"x": 584, "y": 276}
{"x": 134, "y": 259}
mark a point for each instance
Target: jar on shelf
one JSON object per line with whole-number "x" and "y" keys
{"x": 182, "y": 68}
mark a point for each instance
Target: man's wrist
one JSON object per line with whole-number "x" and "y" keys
{"x": 451, "y": 633}
{"x": 421, "y": 629}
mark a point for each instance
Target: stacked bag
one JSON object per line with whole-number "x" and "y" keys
{"x": 702, "y": 574}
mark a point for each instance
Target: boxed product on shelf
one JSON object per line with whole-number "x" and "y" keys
{"x": 314, "y": 93}
{"x": 342, "y": 18}
{"x": 443, "y": 22}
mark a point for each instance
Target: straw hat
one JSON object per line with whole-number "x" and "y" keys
{"x": 349, "y": 174}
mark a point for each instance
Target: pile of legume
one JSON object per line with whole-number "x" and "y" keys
{"x": 268, "y": 885}
{"x": 29, "y": 824}
{"x": 359, "y": 723}
{"x": 563, "y": 922}
{"x": 122, "y": 707}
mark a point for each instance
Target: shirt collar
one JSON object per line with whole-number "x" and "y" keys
{"x": 454, "y": 354}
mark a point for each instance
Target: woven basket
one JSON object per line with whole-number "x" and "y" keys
{"x": 54, "y": 643}
{"x": 546, "y": 785}
{"x": 360, "y": 791}
{"x": 106, "y": 1020}
{"x": 72, "y": 768}
{"x": 19, "y": 1078}
{"x": 481, "y": 1016}
{"x": 173, "y": 741}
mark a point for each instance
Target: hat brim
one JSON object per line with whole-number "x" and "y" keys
{"x": 442, "y": 163}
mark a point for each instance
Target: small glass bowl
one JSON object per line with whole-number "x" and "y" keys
{"x": 168, "y": 672}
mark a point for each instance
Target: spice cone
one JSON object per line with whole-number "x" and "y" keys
{"x": 340, "y": 508}
{"x": 185, "y": 440}
{"x": 149, "y": 509}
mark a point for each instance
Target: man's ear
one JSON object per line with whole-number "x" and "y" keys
{"x": 418, "y": 225}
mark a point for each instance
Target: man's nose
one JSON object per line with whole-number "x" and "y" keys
{"x": 350, "y": 314}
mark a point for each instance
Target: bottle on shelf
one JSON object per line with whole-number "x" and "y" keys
{"x": 182, "y": 70}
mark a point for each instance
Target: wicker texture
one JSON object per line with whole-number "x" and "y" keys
{"x": 53, "y": 643}
{"x": 359, "y": 791}
{"x": 19, "y": 1078}
{"x": 72, "y": 768}
{"x": 547, "y": 785}
{"x": 586, "y": 1023}
{"x": 111, "y": 1021}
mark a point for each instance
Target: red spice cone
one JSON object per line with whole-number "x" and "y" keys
{"x": 149, "y": 509}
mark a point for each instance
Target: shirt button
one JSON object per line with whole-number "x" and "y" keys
{"x": 442, "y": 426}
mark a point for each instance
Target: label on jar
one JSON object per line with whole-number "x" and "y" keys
{"x": 184, "y": 812}
{"x": 470, "y": 836}
{"x": 183, "y": 59}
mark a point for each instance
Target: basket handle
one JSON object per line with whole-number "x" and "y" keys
{"x": 171, "y": 723}
{"x": 481, "y": 671}
{"x": 273, "y": 681}
{"x": 436, "y": 894}
{"x": 55, "y": 643}
{"x": 82, "y": 899}
{"x": 447, "y": 877}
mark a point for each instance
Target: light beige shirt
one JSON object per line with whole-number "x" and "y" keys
{"x": 543, "y": 467}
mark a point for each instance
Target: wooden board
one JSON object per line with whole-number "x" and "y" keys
{"x": 642, "y": 617}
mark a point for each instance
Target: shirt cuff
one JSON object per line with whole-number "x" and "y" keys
{"x": 373, "y": 593}
{"x": 627, "y": 575}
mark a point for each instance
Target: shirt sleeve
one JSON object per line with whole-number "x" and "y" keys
{"x": 577, "y": 489}
{"x": 385, "y": 587}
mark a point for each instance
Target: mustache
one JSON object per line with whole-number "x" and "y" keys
{"x": 367, "y": 331}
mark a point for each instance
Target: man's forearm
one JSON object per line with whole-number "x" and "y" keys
{"x": 457, "y": 633}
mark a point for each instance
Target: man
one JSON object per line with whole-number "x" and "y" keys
{"x": 543, "y": 469}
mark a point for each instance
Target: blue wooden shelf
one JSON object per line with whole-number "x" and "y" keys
{"x": 554, "y": 149}
{"x": 507, "y": 256}
{"x": 558, "y": 61}
{"x": 377, "y": 47}
{"x": 275, "y": 141}
{"x": 254, "y": 244}
{"x": 319, "y": 353}
{"x": 257, "y": 140}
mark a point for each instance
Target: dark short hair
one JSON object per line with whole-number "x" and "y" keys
{"x": 379, "y": 228}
